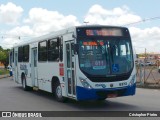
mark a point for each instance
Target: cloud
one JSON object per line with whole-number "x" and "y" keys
{"x": 116, "y": 16}
{"x": 39, "y": 21}
{"x": 12, "y": 36}
{"x": 48, "y": 21}
{"x": 148, "y": 38}
{"x": 21, "y": 31}
{"x": 10, "y": 13}
{"x": 42, "y": 21}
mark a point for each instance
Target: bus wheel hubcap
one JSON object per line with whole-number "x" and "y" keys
{"x": 59, "y": 92}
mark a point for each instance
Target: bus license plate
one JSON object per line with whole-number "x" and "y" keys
{"x": 111, "y": 95}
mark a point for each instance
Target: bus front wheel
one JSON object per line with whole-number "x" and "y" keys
{"x": 58, "y": 92}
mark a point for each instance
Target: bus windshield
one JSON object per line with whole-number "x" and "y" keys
{"x": 105, "y": 57}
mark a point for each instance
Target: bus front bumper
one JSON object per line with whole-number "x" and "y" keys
{"x": 97, "y": 94}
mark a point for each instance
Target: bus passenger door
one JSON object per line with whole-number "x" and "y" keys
{"x": 34, "y": 67}
{"x": 70, "y": 59}
{"x": 16, "y": 68}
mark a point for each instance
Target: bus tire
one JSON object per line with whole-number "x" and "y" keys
{"x": 102, "y": 99}
{"x": 58, "y": 92}
{"x": 24, "y": 85}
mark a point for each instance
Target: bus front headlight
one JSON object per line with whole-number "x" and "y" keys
{"x": 85, "y": 83}
{"x": 132, "y": 80}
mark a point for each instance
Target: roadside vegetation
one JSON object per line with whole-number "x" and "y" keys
{"x": 4, "y": 56}
{"x": 4, "y": 71}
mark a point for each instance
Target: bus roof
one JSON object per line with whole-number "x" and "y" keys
{"x": 61, "y": 32}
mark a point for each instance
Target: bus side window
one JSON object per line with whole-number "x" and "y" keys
{"x": 10, "y": 57}
{"x": 13, "y": 55}
{"x": 72, "y": 49}
{"x": 61, "y": 48}
{"x": 26, "y": 53}
{"x": 20, "y": 54}
{"x": 53, "y": 50}
{"x": 42, "y": 51}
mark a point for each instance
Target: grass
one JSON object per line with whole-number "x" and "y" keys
{"x": 4, "y": 71}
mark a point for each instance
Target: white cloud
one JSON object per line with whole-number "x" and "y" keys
{"x": 117, "y": 16}
{"x": 21, "y": 31}
{"x": 9, "y": 42}
{"x": 10, "y": 13}
{"x": 148, "y": 38}
{"x": 41, "y": 21}
{"x": 44, "y": 21}
{"x": 12, "y": 36}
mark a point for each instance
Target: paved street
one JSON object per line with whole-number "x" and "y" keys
{"x": 13, "y": 98}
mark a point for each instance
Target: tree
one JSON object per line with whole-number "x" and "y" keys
{"x": 1, "y": 49}
{"x": 4, "y": 56}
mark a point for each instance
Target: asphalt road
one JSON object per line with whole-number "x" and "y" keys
{"x": 13, "y": 98}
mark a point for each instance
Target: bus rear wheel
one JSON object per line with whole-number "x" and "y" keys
{"x": 58, "y": 92}
{"x": 24, "y": 85}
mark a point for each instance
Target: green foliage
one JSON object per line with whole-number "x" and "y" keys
{"x": 4, "y": 56}
{"x": 1, "y": 48}
{"x": 3, "y": 71}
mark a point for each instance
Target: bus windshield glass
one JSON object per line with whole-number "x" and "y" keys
{"x": 111, "y": 56}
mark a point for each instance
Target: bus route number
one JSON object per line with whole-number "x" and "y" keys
{"x": 99, "y": 64}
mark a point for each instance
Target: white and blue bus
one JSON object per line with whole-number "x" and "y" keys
{"x": 82, "y": 63}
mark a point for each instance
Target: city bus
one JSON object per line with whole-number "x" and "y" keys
{"x": 92, "y": 62}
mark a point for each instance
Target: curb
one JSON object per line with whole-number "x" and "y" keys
{"x": 4, "y": 76}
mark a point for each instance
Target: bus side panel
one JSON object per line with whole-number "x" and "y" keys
{"x": 45, "y": 73}
{"x": 24, "y": 68}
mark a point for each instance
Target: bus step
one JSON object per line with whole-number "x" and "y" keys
{"x": 35, "y": 88}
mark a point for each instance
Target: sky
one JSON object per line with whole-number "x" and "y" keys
{"x": 31, "y": 18}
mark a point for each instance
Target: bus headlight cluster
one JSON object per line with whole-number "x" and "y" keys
{"x": 132, "y": 80}
{"x": 85, "y": 83}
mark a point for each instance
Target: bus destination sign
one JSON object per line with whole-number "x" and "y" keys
{"x": 104, "y": 32}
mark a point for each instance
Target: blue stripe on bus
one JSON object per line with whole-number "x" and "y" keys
{"x": 91, "y": 94}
